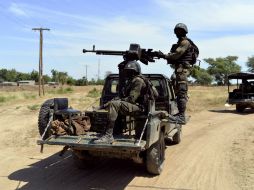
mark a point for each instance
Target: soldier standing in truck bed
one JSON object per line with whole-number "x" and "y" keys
{"x": 182, "y": 56}
{"x": 132, "y": 102}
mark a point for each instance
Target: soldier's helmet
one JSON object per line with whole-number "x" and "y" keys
{"x": 132, "y": 68}
{"x": 181, "y": 26}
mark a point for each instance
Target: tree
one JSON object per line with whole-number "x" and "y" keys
{"x": 81, "y": 82}
{"x": 221, "y": 67}
{"x": 11, "y": 75}
{"x": 201, "y": 76}
{"x": 62, "y": 77}
{"x": 14, "y": 76}
{"x": 100, "y": 82}
{"x": 92, "y": 82}
{"x": 23, "y": 76}
{"x": 71, "y": 81}
{"x": 3, "y": 74}
{"x": 46, "y": 78}
{"x": 250, "y": 64}
{"x": 55, "y": 75}
{"x": 34, "y": 75}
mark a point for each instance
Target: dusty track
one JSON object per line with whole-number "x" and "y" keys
{"x": 216, "y": 152}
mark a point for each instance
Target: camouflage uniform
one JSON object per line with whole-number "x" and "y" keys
{"x": 180, "y": 57}
{"x": 132, "y": 103}
{"x": 177, "y": 57}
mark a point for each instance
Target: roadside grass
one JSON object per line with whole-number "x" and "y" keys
{"x": 61, "y": 90}
{"x": 200, "y": 97}
{"x": 33, "y": 107}
{"x": 7, "y": 98}
{"x": 29, "y": 96}
{"x": 204, "y": 98}
{"x": 89, "y": 100}
{"x": 83, "y": 103}
{"x": 94, "y": 93}
{"x": 15, "y": 96}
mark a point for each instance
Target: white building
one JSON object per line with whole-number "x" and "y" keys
{"x": 26, "y": 83}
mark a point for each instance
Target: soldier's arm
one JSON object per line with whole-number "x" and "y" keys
{"x": 184, "y": 45}
{"x": 135, "y": 90}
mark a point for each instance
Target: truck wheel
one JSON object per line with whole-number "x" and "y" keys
{"x": 155, "y": 156}
{"x": 177, "y": 137}
{"x": 239, "y": 108}
{"x": 44, "y": 117}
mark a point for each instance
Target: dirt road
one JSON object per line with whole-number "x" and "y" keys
{"x": 216, "y": 152}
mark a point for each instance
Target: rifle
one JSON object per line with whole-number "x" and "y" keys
{"x": 135, "y": 52}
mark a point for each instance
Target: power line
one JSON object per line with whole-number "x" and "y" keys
{"x": 41, "y": 80}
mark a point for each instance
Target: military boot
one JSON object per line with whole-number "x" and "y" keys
{"x": 107, "y": 138}
{"x": 181, "y": 105}
{"x": 178, "y": 118}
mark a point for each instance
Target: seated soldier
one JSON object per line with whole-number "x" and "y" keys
{"x": 246, "y": 86}
{"x": 133, "y": 101}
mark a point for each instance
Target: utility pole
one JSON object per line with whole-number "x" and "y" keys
{"x": 41, "y": 79}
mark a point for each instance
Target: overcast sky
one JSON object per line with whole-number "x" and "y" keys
{"x": 219, "y": 28}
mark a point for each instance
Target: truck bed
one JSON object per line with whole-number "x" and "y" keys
{"x": 85, "y": 142}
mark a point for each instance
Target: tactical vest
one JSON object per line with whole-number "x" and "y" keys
{"x": 128, "y": 88}
{"x": 148, "y": 93}
{"x": 187, "y": 58}
{"x": 142, "y": 98}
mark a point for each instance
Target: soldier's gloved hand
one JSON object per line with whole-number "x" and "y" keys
{"x": 163, "y": 114}
{"x": 161, "y": 55}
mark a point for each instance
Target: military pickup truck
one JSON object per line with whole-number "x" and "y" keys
{"x": 141, "y": 138}
{"x": 243, "y": 95}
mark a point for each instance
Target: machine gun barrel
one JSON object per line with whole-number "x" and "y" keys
{"x": 105, "y": 52}
{"x": 135, "y": 52}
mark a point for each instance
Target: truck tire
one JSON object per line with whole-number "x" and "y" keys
{"x": 155, "y": 156}
{"x": 239, "y": 108}
{"x": 44, "y": 117}
{"x": 177, "y": 137}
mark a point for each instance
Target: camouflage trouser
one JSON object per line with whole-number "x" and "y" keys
{"x": 118, "y": 106}
{"x": 181, "y": 88}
